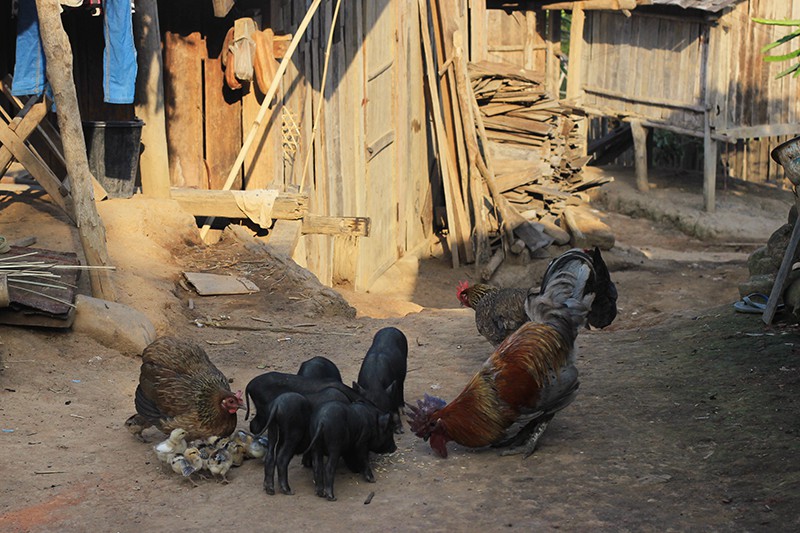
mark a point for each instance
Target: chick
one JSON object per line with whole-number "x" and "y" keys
{"x": 176, "y": 443}
{"x": 236, "y": 450}
{"x": 254, "y": 447}
{"x": 258, "y": 448}
{"x": 181, "y": 465}
{"x": 204, "y": 450}
{"x": 136, "y": 424}
{"x": 194, "y": 458}
{"x": 219, "y": 463}
{"x": 243, "y": 437}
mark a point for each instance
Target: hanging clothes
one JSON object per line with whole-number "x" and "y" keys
{"x": 29, "y": 69}
{"x": 119, "y": 54}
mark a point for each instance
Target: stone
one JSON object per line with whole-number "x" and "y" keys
{"x": 113, "y": 325}
{"x": 762, "y": 262}
{"x": 761, "y": 283}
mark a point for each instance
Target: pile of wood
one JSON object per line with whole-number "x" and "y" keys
{"x": 516, "y": 111}
{"x": 509, "y": 156}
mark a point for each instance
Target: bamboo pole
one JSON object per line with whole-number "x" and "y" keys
{"x": 273, "y": 88}
{"x": 92, "y": 232}
{"x": 321, "y": 94}
{"x": 446, "y": 164}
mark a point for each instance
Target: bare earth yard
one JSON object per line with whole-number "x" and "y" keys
{"x": 686, "y": 419}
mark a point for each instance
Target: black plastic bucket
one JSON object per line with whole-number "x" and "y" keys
{"x": 113, "y": 148}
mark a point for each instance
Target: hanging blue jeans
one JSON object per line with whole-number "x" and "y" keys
{"x": 119, "y": 55}
{"x": 29, "y": 77}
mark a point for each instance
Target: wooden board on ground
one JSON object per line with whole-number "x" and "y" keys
{"x": 215, "y": 284}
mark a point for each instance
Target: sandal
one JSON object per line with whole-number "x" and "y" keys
{"x": 754, "y": 303}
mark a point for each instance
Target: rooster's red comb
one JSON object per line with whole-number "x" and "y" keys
{"x": 462, "y": 286}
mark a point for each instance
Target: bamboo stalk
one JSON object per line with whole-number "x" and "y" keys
{"x": 273, "y": 88}
{"x": 321, "y": 92}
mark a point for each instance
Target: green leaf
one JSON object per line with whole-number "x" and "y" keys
{"x": 795, "y": 69}
{"x": 782, "y": 40}
{"x": 772, "y": 22}
{"x": 785, "y": 57}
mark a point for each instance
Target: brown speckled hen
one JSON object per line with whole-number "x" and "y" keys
{"x": 501, "y": 311}
{"x": 179, "y": 387}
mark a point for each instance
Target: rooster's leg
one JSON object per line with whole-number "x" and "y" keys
{"x": 535, "y": 431}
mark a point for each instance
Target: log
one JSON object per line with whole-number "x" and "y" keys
{"x": 92, "y": 232}
{"x": 494, "y": 263}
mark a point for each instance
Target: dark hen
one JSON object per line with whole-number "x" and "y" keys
{"x": 179, "y": 387}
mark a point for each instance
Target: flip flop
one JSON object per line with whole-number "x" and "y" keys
{"x": 754, "y": 303}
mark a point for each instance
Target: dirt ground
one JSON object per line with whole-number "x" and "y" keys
{"x": 686, "y": 420}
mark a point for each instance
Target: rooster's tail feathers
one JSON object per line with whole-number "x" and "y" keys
{"x": 562, "y": 303}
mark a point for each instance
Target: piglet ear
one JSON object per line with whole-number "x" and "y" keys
{"x": 384, "y": 421}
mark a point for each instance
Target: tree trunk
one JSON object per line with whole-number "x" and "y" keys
{"x": 58, "y": 54}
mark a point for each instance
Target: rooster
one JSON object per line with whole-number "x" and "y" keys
{"x": 179, "y": 387}
{"x": 499, "y": 312}
{"x": 529, "y": 377}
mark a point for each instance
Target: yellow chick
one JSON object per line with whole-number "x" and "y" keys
{"x": 175, "y": 444}
{"x": 219, "y": 463}
{"x": 181, "y": 465}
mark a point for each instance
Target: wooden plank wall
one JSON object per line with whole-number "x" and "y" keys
{"x": 752, "y": 105}
{"x": 370, "y": 154}
{"x": 644, "y": 65}
{"x": 752, "y": 102}
{"x": 518, "y": 36}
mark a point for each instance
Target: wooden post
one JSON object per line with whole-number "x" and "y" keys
{"x": 640, "y": 152}
{"x": 709, "y": 168}
{"x": 154, "y": 162}
{"x": 92, "y": 232}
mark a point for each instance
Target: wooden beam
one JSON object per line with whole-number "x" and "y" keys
{"x": 200, "y": 202}
{"x": 612, "y": 5}
{"x": 755, "y": 132}
{"x": 154, "y": 161}
{"x": 647, "y": 100}
{"x": 324, "y": 225}
{"x": 40, "y": 172}
{"x": 22, "y": 125}
{"x": 92, "y": 232}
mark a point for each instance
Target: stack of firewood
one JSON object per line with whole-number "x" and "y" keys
{"x": 518, "y": 112}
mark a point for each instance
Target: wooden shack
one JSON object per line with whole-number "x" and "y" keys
{"x": 689, "y": 66}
